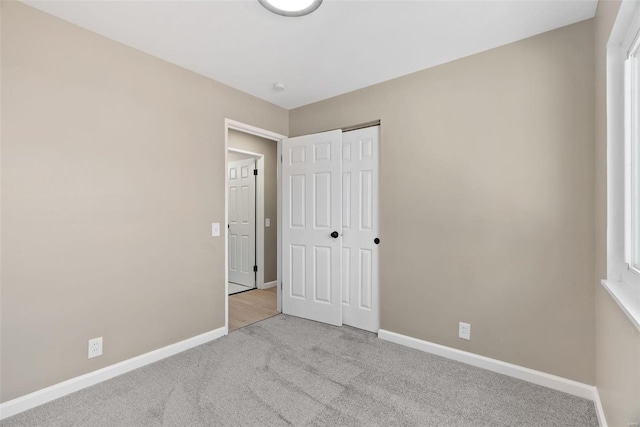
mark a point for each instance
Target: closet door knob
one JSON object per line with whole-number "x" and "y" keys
{"x": 376, "y": 241}
{"x": 334, "y": 234}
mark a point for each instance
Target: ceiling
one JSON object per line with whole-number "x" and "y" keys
{"x": 343, "y": 46}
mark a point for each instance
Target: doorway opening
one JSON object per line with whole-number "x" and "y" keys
{"x": 252, "y": 219}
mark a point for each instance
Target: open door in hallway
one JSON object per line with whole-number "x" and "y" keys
{"x": 242, "y": 222}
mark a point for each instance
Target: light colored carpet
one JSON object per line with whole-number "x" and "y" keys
{"x": 286, "y": 370}
{"x": 234, "y": 288}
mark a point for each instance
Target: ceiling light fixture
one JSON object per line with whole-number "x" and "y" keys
{"x": 291, "y": 7}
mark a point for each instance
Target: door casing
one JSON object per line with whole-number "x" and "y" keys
{"x": 277, "y": 138}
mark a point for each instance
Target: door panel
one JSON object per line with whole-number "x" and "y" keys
{"x": 322, "y": 205}
{"x": 242, "y": 229}
{"x": 360, "y": 299}
{"x": 298, "y": 274}
{"x": 346, "y": 275}
{"x": 366, "y": 268}
{"x": 311, "y": 199}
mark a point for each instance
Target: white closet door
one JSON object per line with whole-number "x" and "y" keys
{"x": 360, "y": 299}
{"x": 242, "y": 222}
{"x": 311, "y": 271}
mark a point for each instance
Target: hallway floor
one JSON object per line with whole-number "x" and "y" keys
{"x": 235, "y": 288}
{"x": 252, "y": 306}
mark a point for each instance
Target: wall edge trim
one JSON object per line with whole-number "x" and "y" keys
{"x": 268, "y": 285}
{"x": 602, "y": 420}
{"x": 520, "y": 372}
{"x": 56, "y": 391}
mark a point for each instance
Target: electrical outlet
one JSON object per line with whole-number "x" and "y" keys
{"x": 267, "y": 222}
{"x": 95, "y": 347}
{"x": 464, "y": 331}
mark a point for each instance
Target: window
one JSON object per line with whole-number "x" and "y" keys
{"x": 632, "y": 152}
{"x": 623, "y": 161}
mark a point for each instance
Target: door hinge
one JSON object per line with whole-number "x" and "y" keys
{"x": 255, "y": 268}
{"x": 255, "y": 171}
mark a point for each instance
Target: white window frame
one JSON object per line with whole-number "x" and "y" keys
{"x": 631, "y": 48}
{"x": 623, "y": 162}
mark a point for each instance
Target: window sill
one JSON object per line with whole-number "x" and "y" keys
{"x": 627, "y": 297}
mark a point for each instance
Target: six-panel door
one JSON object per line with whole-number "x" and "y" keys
{"x": 242, "y": 228}
{"x": 311, "y": 177}
{"x": 360, "y": 299}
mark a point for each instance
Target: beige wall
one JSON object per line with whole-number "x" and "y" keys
{"x": 617, "y": 343}
{"x": 112, "y": 173}
{"x": 255, "y": 144}
{"x": 234, "y": 157}
{"x": 486, "y": 199}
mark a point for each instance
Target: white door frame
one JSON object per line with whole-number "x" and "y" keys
{"x": 263, "y": 133}
{"x": 259, "y": 158}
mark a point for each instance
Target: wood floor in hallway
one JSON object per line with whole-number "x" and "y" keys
{"x": 250, "y": 307}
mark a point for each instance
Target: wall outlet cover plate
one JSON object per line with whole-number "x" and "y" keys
{"x": 464, "y": 331}
{"x": 95, "y": 347}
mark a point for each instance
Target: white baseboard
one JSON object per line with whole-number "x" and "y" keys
{"x": 56, "y": 391}
{"x": 268, "y": 285}
{"x": 599, "y": 409}
{"x": 31, "y": 400}
{"x": 537, "y": 377}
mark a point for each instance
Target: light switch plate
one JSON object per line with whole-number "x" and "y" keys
{"x": 215, "y": 229}
{"x": 267, "y": 222}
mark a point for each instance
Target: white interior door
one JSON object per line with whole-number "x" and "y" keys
{"x": 360, "y": 299}
{"x": 242, "y": 222}
{"x": 311, "y": 271}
